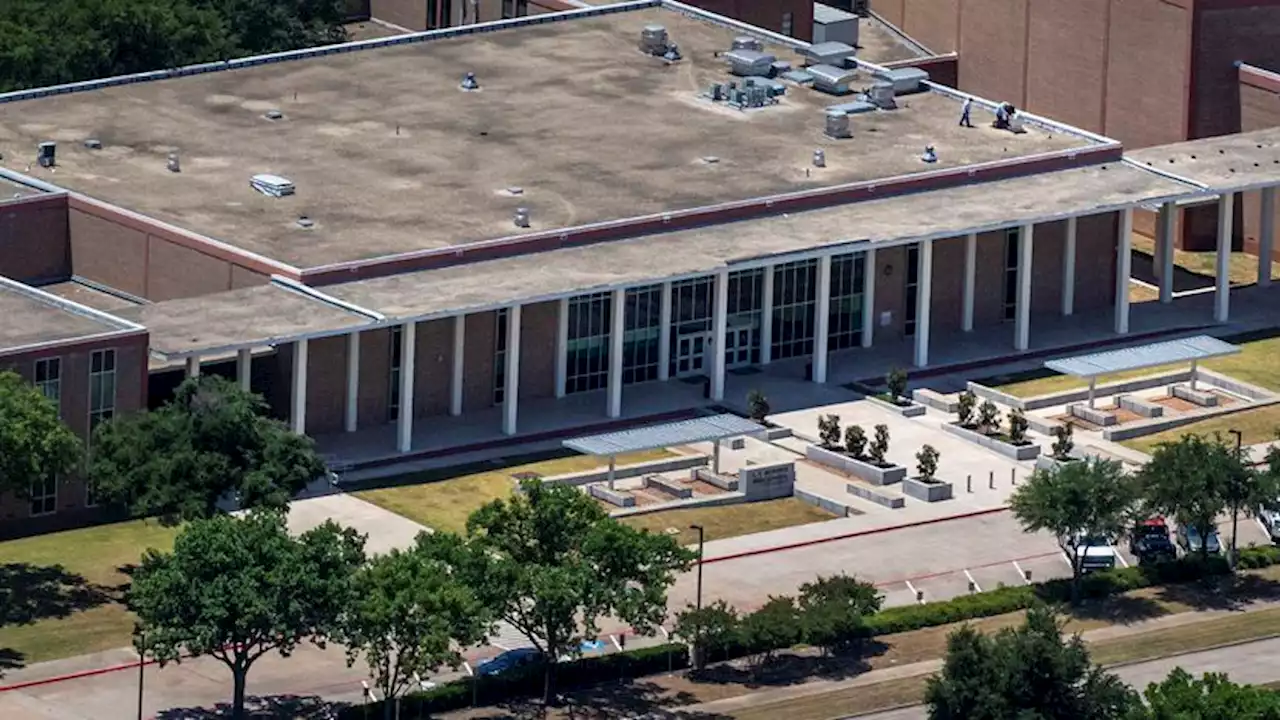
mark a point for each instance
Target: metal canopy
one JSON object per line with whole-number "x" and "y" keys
{"x": 683, "y": 432}
{"x": 1192, "y": 350}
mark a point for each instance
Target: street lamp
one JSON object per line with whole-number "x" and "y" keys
{"x": 697, "y": 641}
{"x": 1236, "y": 493}
{"x": 140, "y": 640}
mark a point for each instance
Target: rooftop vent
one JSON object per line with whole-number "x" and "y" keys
{"x": 93, "y": 144}
{"x": 305, "y": 222}
{"x": 747, "y": 42}
{"x": 522, "y": 217}
{"x": 272, "y": 185}
{"x": 837, "y": 125}
{"x": 469, "y": 82}
{"x": 515, "y": 190}
{"x": 749, "y": 63}
{"x": 819, "y": 158}
{"x": 653, "y": 39}
{"x": 47, "y": 154}
{"x": 273, "y": 115}
{"x": 881, "y": 95}
{"x": 172, "y": 163}
{"x": 831, "y": 79}
{"x": 830, "y": 53}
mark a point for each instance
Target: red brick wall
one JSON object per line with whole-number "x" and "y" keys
{"x": 408, "y": 14}
{"x": 1259, "y": 108}
{"x": 766, "y": 14}
{"x": 890, "y": 293}
{"x": 477, "y": 381}
{"x": 942, "y": 69}
{"x": 375, "y": 377}
{"x": 538, "y": 326}
{"x": 1227, "y": 32}
{"x": 934, "y": 23}
{"x": 33, "y": 239}
{"x": 946, "y": 308}
{"x": 994, "y": 40}
{"x": 431, "y": 368}
{"x": 1066, "y": 35}
{"x": 326, "y": 384}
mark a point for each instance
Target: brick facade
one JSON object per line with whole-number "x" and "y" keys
{"x": 1259, "y": 108}
{"x": 34, "y": 239}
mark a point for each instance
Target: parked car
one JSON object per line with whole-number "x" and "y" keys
{"x": 1189, "y": 539}
{"x": 1095, "y": 552}
{"x": 1149, "y": 541}
{"x": 1271, "y": 521}
{"x": 509, "y": 660}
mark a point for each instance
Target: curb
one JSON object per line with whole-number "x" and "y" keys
{"x": 78, "y": 675}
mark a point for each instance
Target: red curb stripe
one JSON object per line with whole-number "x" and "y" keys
{"x": 74, "y": 676}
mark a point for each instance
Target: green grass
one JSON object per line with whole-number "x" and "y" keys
{"x": 731, "y": 520}
{"x": 75, "y": 606}
{"x": 1256, "y": 426}
{"x": 1242, "y": 269}
{"x": 1255, "y": 364}
{"x": 444, "y": 503}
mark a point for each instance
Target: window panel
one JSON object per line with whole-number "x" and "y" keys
{"x": 793, "y": 315}
{"x": 845, "y": 317}
{"x": 393, "y": 373}
{"x": 102, "y": 386}
{"x": 44, "y": 496}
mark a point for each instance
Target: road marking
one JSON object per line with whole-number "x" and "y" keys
{"x": 614, "y": 639}
{"x": 976, "y": 586}
{"x": 665, "y": 635}
{"x": 1119, "y": 556}
{"x": 1021, "y": 573}
{"x": 914, "y": 593}
{"x": 500, "y": 646}
{"x": 467, "y": 666}
{"x": 1067, "y": 560}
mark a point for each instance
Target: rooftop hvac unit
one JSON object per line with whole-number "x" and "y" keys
{"x": 905, "y": 80}
{"x": 831, "y": 79}
{"x": 749, "y": 63}
{"x": 271, "y": 185}
{"x": 747, "y": 42}
{"x": 653, "y": 39}
{"x": 829, "y": 53}
{"x": 837, "y": 124}
{"x": 881, "y": 95}
{"x": 834, "y": 24}
{"x": 47, "y": 154}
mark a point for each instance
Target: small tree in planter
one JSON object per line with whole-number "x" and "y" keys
{"x": 1018, "y": 426}
{"x": 965, "y": 407}
{"x": 855, "y": 441}
{"x": 896, "y": 381}
{"x": 757, "y": 406}
{"x": 927, "y": 463}
{"x": 829, "y": 431}
{"x": 988, "y": 416}
{"x": 880, "y": 445}
{"x": 1063, "y": 443}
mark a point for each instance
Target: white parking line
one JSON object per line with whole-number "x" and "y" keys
{"x": 467, "y": 666}
{"x": 1021, "y": 573}
{"x": 1067, "y": 560}
{"x": 614, "y": 640}
{"x": 914, "y": 592}
{"x": 976, "y": 586}
{"x": 500, "y": 646}
{"x": 665, "y": 635}
{"x": 1265, "y": 532}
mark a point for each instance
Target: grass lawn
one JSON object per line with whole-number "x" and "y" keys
{"x": 1257, "y": 426}
{"x": 444, "y": 502}
{"x": 1142, "y": 293}
{"x": 1255, "y": 364}
{"x": 67, "y": 584}
{"x": 731, "y": 520}
{"x": 1243, "y": 267}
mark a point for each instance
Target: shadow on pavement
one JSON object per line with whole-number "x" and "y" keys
{"x": 1223, "y": 593}
{"x": 262, "y": 707}
{"x": 10, "y": 659}
{"x": 1143, "y": 268}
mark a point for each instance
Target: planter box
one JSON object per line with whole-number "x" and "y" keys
{"x": 1184, "y": 392}
{"x": 613, "y": 497}
{"x": 935, "y": 491}
{"x": 892, "y": 502}
{"x": 910, "y": 410}
{"x": 1138, "y": 406}
{"x": 936, "y": 400}
{"x": 1101, "y": 418}
{"x": 668, "y": 487}
{"x": 862, "y": 470}
{"x": 723, "y": 482}
{"x": 1030, "y": 451}
{"x": 831, "y": 506}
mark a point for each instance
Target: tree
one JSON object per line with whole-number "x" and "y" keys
{"x": 988, "y": 416}
{"x": 896, "y": 381}
{"x": 1249, "y": 488}
{"x": 1190, "y": 480}
{"x": 880, "y": 445}
{"x": 34, "y": 444}
{"x": 776, "y": 625}
{"x": 855, "y": 440}
{"x": 1018, "y": 426}
{"x": 927, "y": 460}
{"x": 965, "y": 405}
{"x": 551, "y": 563}
{"x": 833, "y": 610}
{"x": 212, "y": 442}
{"x": 757, "y": 406}
{"x": 235, "y": 588}
{"x": 1214, "y": 696}
{"x": 715, "y": 626}
{"x": 1063, "y": 442}
{"x": 829, "y": 430}
{"x": 1024, "y": 672}
{"x": 408, "y": 617}
{"x": 1076, "y": 502}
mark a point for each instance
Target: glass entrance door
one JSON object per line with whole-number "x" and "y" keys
{"x": 737, "y": 347}
{"x": 691, "y": 354}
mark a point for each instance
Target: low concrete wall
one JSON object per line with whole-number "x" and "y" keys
{"x": 1199, "y": 397}
{"x": 831, "y": 506}
{"x": 857, "y": 468}
{"x": 732, "y": 498}
{"x": 1036, "y": 402}
{"x": 893, "y": 502}
{"x": 683, "y": 462}
{"x": 613, "y": 497}
{"x": 912, "y": 410}
{"x": 724, "y": 482}
{"x": 1042, "y": 425}
{"x": 1232, "y": 385}
{"x": 1015, "y": 452}
{"x": 1101, "y": 418}
{"x": 1154, "y": 425}
{"x": 928, "y": 492}
{"x": 767, "y": 482}
{"x": 936, "y": 400}
{"x": 1139, "y": 406}
{"x": 778, "y": 433}
{"x": 667, "y": 487}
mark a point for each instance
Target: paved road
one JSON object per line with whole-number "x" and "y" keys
{"x": 1253, "y": 663}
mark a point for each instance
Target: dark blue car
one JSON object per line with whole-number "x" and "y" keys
{"x": 508, "y": 660}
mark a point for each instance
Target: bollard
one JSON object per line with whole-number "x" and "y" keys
{"x": 991, "y": 480}
{"x": 968, "y": 483}
{"x": 1013, "y": 476}
{"x": 920, "y": 596}
{"x": 1027, "y": 574}
{"x": 973, "y": 586}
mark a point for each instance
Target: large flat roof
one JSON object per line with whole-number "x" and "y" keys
{"x": 1224, "y": 164}
{"x": 389, "y": 155}
{"x": 33, "y": 318}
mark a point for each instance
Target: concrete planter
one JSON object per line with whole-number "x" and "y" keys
{"x": 910, "y": 410}
{"x": 860, "y": 469}
{"x": 1030, "y": 451}
{"x": 613, "y": 497}
{"x": 777, "y": 433}
{"x": 893, "y": 502}
{"x": 1049, "y": 462}
{"x": 935, "y": 491}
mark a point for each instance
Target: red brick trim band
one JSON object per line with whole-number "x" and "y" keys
{"x": 712, "y": 215}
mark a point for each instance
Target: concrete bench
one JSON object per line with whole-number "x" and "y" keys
{"x": 1199, "y": 397}
{"x": 1101, "y": 418}
{"x": 936, "y": 400}
{"x": 668, "y": 487}
{"x": 893, "y": 502}
{"x": 724, "y": 482}
{"x": 1138, "y": 406}
{"x": 832, "y": 506}
{"x": 613, "y": 497}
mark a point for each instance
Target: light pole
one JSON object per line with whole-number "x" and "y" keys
{"x": 697, "y": 641}
{"x": 1236, "y": 493}
{"x": 140, "y": 637}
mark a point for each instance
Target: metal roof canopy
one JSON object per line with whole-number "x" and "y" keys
{"x": 682, "y": 432}
{"x": 1192, "y": 350}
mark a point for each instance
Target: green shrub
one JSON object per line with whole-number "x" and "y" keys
{"x": 829, "y": 431}
{"x": 855, "y": 441}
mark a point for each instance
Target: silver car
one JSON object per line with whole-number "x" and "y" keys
{"x": 1271, "y": 521}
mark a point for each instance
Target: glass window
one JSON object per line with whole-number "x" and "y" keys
{"x": 746, "y": 295}
{"x": 44, "y": 496}
{"x": 691, "y": 310}
{"x": 49, "y": 380}
{"x": 102, "y": 386}
{"x": 795, "y": 294}
{"x": 587, "y": 352}
{"x": 845, "y": 317}
{"x": 643, "y": 322}
{"x": 500, "y": 356}
{"x": 1012, "y": 240}
{"x": 393, "y": 382}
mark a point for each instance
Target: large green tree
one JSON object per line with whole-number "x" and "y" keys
{"x": 408, "y": 617}
{"x": 1026, "y": 672}
{"x": 1213, "y": 697}
{"x": 1076, "y": 502}
{"x": 34, "y": 443}
{"x": 212, "y": 443}
{"x": 235, "y": 588}
{"x": 1191, "y": 480}
{"x": 551, "y": 563}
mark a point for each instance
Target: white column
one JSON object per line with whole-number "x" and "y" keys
{"x": 193, "y": 366}
{"x": 1164, "y": 249}
{"x": 511, "y": 391}
{"x": 298, "y": 416}
{"x": 244, "y": 368}
{"x": 1069, "y": 269}
{"x": 766, "y": 317}
{"x": 457, "y": 367}
{"x": 720, "y": 324}
{"x": 970, "y": 277}
{"x": 869, "y": 297}
{"x": 1123, "y": 268}
{"x": 562, "y": 347}
{"x": 353, "y": 382}
{"x": 1222, "y": 295}
{"x": 924, "y": 298}
{"x": 822, "y": 320}
{"x": 1266, "y": 235}
{"x": 664, "y": 333}
{"x": 404, "y": 423}
{"x": 1022, "y": 317}
{"x": 617, "y": 329}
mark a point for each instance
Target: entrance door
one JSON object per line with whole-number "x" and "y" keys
{"x": 737, "y": 347}
{"x": 691, "y": 353}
